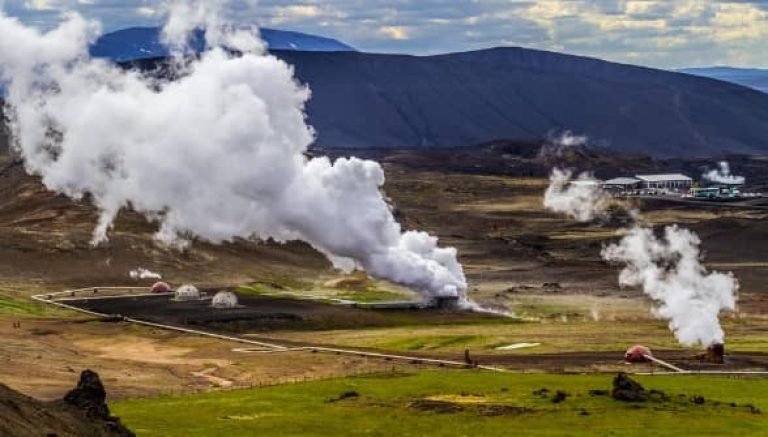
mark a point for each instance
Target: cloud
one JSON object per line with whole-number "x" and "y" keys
{"x": 394, "y": 32}
{"x": 662, "y": 33}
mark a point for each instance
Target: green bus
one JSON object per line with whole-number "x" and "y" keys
{"x": 716, "y": 193}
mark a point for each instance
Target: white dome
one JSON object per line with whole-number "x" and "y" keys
{"x": 224, "y": 299}
{"x": 187, "y": 292}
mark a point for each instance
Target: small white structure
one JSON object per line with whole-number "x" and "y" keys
{"x": 187, "y": 292}
{"x": 224, "y": 300}
{"x": 674, "y": 181}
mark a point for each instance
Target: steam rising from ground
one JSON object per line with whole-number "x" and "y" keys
{"x": 217, "y": 154}
{"x": 582, "y": 199}
{"x": 722, "y": 175}
{"x": 668, "y": 269}
{"x": 142, "y": 273}
{"x": 558, "y": 145}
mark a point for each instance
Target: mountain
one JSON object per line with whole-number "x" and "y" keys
{"x": 362, "y": 100}
{"x": 750, "y": 77}
{"x": 144, "y": 42}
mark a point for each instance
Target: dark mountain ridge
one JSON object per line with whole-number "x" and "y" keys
{"x": 751, "y": 77}
{"x": 362, "y": 100}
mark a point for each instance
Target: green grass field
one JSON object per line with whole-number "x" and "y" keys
{"x": 17, "y": 306}
{"x": 458, "y": 403}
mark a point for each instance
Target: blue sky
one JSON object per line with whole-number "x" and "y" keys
{"x": 659, "y": 33}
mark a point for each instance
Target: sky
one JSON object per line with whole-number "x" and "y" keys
{"x": 657, "y": 33}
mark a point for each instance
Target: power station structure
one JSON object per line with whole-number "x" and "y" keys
{"x": 673, "y": 182}
{"x": 655, "y": 184}
{"x": 669, "y": 182}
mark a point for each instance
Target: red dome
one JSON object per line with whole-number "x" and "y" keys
{"x": 161, "y": 287}
{"x": 637, "y": 354}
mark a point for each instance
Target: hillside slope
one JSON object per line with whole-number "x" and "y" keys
{"x": 83, "y": 412}
{"x": 750, "y": 77}
{"x": 364, "y": 100}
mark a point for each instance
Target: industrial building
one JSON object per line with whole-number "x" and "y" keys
{"x": 622, "y": 184}
{"x": 674, "y": 181}
{"x": 645, "y": 183}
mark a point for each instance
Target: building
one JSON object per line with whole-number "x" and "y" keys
{"x": 622, "y": 184}
{"x": 675, "y": 181}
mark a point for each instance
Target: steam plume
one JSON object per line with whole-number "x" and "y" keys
{"x": 557, "y": 146}
{"x": 723, "y": 175}
{"x": 670, "y": 271}
{"x": 142, "y": 273}
{"x": 569, "y": 139}
{"x": 582, "y": 199}
{"x": 217, "y": 154}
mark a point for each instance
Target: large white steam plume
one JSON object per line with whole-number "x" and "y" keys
{"x": 669, "y": 270}
{"x": 218, "y": 153}
{"x": 722, "y": 175}
{"x": 581, "y": 198}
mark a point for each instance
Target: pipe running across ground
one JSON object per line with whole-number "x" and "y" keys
{"x": 69, "y": 295}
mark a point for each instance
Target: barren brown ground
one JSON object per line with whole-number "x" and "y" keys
{"x": 517, "y": 256}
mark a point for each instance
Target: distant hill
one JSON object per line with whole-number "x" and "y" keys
{"x": 362, "y": 100}
{"x": 144, "y": 42}
{"x": 751, "y": 77}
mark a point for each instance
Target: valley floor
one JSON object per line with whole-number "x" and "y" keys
{"x": 541, "y": 267}
{"x": 461, "y": 403}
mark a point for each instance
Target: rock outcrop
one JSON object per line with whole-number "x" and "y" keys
{"x": 82, "y": 412}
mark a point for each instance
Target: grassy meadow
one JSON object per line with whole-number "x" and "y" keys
{"x": 460, "y": 403}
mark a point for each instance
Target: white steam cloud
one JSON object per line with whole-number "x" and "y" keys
{"x": 569, "y": 139}
{"x": 581, "y": 198}
{"x": 669, "y": 270}
{"x": 556, "y": 146}
{"x": 142, "y": 273}
{"x": 722, "y": 175}
{"x": 218, "y": 153}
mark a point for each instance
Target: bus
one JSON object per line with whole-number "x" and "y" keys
{"x": 716, "y": 193}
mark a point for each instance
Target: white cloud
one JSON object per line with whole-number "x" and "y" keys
{"x": 394, "y": 32}
{"x": 664, "y": 33}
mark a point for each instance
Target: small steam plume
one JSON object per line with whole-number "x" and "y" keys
{"x": 556, "y": 146}
{"x": 142, "y": 273}
{"x": 669, "y": 270}
{"x": 217, "y": 154}
{"x": 722, "y": 175}
{"x": 569, "y": 139}
{"x": 582, "y": 199}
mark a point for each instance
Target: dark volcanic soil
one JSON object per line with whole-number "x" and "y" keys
{"x": 263, "y": 314}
